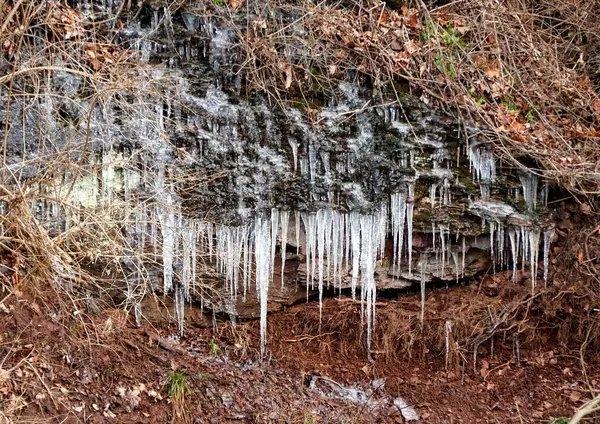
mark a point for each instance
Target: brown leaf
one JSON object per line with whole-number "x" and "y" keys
{"x": 96, "y": 65}
{"x": 287, "y": 69}
{"x": 519, "y": 137}
{"x": 492, "y": 72}
{"x": 575, "y": 396}
{"x": 395, "y": 45}
{"x": 410, "y": 47}
{"x": 235, "y": 4}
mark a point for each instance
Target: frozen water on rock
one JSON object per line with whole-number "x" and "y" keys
{"x": 274, "y": 228}
{"x": 170, "y": 239}
{"x": 285, "y": 219}
{"x": 548, "y": 237}
{"x": 398, "y": 216}
{"x": 344, "y": 222}
{"x": 188, "y": 277}
{"x": 192, "y": 22}
{"x": 354, "y": 220}
{"x": 534, "y": 250}
{"x": 423, "y": 266}
{"x": 262, "y": 257}
{"x": 530, "y": 189}
{"x": 483, "y": 165}
{"x": 410, "y": 207}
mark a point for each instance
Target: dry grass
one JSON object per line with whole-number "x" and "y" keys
{"x": 64, "y": 250}
{"x": 66, "y": 233}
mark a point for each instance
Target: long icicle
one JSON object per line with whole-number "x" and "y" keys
{"x": 285, "y": 219}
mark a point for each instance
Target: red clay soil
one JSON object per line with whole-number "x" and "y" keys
{"x": 95, "y": 368}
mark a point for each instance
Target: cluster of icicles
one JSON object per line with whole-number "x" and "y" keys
{"x": 338, "y": 246}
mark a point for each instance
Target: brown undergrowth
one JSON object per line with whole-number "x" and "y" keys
{"x": 61, "y": 71}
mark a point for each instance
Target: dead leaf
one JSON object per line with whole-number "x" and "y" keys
{"x": 492, "y": 72}
{"x": 585, "y": 209}
{"x": 287, "y": 69}
{"x": 235, "y": 4}
{"x": 395, "y": 45}
{"x": 575, "y": 396}
{"x": 411, "y": 47}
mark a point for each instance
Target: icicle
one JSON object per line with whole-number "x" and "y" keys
{"x": 335, "y": 240}
{"x": 398, "y": 217}
{"x": 500, "y": 248}
{"x": 274, "y": 228}
{"x": 464, "y": 254}
{"x": 297, "y": 222}
{"x": 137, "y": 313}
{"x": 356, "y": 250}
{"x": 262, "y": 257}
{"x": 483, "y": 164}
{"x": 285, "y": 219}
{"x": 513, "y": 237}
{"x": 545, "y": 194}
{"x": 524, "y": 248}
{"x": 548, "y": 236}
{"x": 312, "y": 162}
{"x": 238, "y": 237}
{"x": 294, "y": 146}
{"x": 188, "y": 238}
{"x": 383, "y": 227}
{"x": 423, "y": 264}
{"x": 210, "y": 234}
{"x": 454, "y": 255}
{"x": 369, "y": 228}
{"x": 247, "y": 261}
{"x": 409, "y": 219}
{"x": 530, "y": 186}
{"x": 328, "y": 244}
{"x": 432, "y": 191}
{"x": 534, "y": 246}
{"x": 492, "y": 240}
{"x": 321, "y": 224}
{"x": 170, "y": 240}
{"x": 341, "y": 218}
{"x": 194, "y": 255}
{"x": 443, "y": 242}
{"x": 446, "y": 192}
{"x": 309, "y": 231}
{"x": 348, "y": 243}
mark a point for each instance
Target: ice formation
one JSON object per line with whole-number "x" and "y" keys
{"x": 340, "y": 241}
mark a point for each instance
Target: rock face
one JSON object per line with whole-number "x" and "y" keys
{"x": 358, "y": 192}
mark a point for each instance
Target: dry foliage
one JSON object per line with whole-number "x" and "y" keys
{"x": 45, "y": 235}
{"x": 525, "y": 72}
